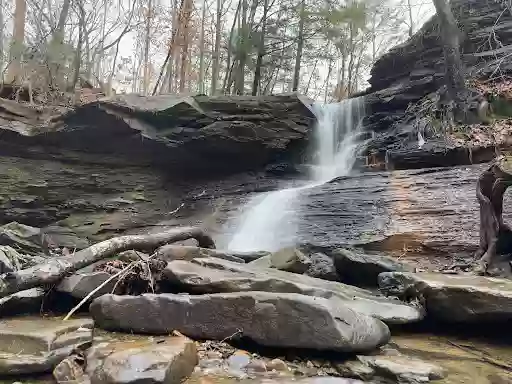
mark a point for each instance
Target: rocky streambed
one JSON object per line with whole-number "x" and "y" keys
{"x": 195, "y": 313}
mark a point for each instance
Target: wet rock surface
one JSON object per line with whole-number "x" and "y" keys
{"x": 362, "y": 269}
{"x": 167, "y": 360}
{"x": 268, "y": 319}
{"x": 454, "y": 298}
{"x": 37, "y": 345}
{"x": 210, "y": 275}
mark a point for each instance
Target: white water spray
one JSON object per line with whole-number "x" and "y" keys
{"x": 269, "y": 221}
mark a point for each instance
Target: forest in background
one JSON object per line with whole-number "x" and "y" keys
{"x": 321, "y": 48}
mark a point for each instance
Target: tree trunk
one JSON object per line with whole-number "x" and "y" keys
{"x": 451, "y": 47}
{"x": 184, "y": 26}
{"x": 201, "y": 51}
{"x": 242, "y": 51}
{"x": 491, "y": 187}
{"x": 411, "y": 21}
{"x": 57, "y": 268}
{"x": 58, "y": 35}
{"x": 229, "y": 67}
{"x": 300, "y": 45}
{"x": 2, "y": 39}
{"x": 261, "y": 51}
{"x": 147, "y": 43}
{"x": 78, "y": 54}
{"x": 216, "y": 52}
{"x": 18, "y": 39}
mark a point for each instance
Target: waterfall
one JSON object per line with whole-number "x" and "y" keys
{"x": 268, "y": 222}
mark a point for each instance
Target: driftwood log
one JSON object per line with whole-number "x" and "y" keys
{"x": 491, "y": 186}
{"x": 55, "y": 269}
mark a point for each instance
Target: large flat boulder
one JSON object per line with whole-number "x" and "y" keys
{"x": 454, "y": 298}
{"x": 168, "y": 360}
{"x": 37, "y": 344}
{"x": 269, "y": 319}
{"x": 211, "y": 275}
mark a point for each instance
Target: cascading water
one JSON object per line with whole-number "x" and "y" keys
{"x": 268, "y": 221}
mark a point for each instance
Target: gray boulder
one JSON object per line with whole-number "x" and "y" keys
{"x": 362, "y": 269}
{"x": 269, "y": 319}
{"x": 171, "y": 252}
{"x": 453, "y": 298}
{"x": 322, "y": 267}
{"x": 290, "y": 260}
{"x": 37, "y": 345}
{"x": 82, "y": 283}
{"x": 169, "y": 360}
{"x": 22, "y": 302}
{"x": 262, "y": 262}
{"x": 210, "y": 275}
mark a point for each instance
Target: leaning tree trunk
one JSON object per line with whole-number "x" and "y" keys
{"x": 57, "y": 268}
{"x": 491, "y": 187}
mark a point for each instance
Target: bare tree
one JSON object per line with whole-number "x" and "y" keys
{"x": 18, "y": 34}
{"x": 216, "y": 51}
{"x": 147, "y": 43}
{"x": 300, "y": 45}
{"x": 450, "y": 37}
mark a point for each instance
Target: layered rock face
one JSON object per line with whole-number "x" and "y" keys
{"x": 118, "y": 165}
{"x": 415, "y": 69}
{"x": 194, "y": 136}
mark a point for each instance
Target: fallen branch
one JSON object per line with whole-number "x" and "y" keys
{"x": 91, "y": 294}
{"x": 55, "y": 269}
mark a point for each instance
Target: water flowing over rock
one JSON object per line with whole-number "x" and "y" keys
{"x": 269, "y": 319}
{"x": 269, "y": 222}
{"x": 37, "y": 345}
{"x": 210, "y": 275}
{"x": 414, "y": 69}
{"x": 454, "y": 298}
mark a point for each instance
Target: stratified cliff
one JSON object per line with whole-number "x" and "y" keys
{"x": 415, "y": 69}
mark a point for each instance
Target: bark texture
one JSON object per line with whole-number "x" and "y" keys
{"x": 57, "y": 268}
{"x": 491, "y": 187}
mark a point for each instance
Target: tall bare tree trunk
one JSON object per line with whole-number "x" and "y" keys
{"x": 261, "y": 51}
{"x": 242, "y": 51}
{"x": 147, "y": 43}
{"x": 58, "y": 35}
{"x": 450, "y": 36}
{"x": 300, "y": 45}
{"x": 18, "y": 39}
{"x": 78, "y": 54}
{"x": 186, "y": 35}
{"x": 411, "y": 20}
{"x": 216, "y": 52}
{"x": 201, "y": 51}
{"x": 2, "y": 40}
{"x": 229, "y": 67}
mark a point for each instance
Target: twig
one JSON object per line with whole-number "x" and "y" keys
{"x": 97, "y": 289}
